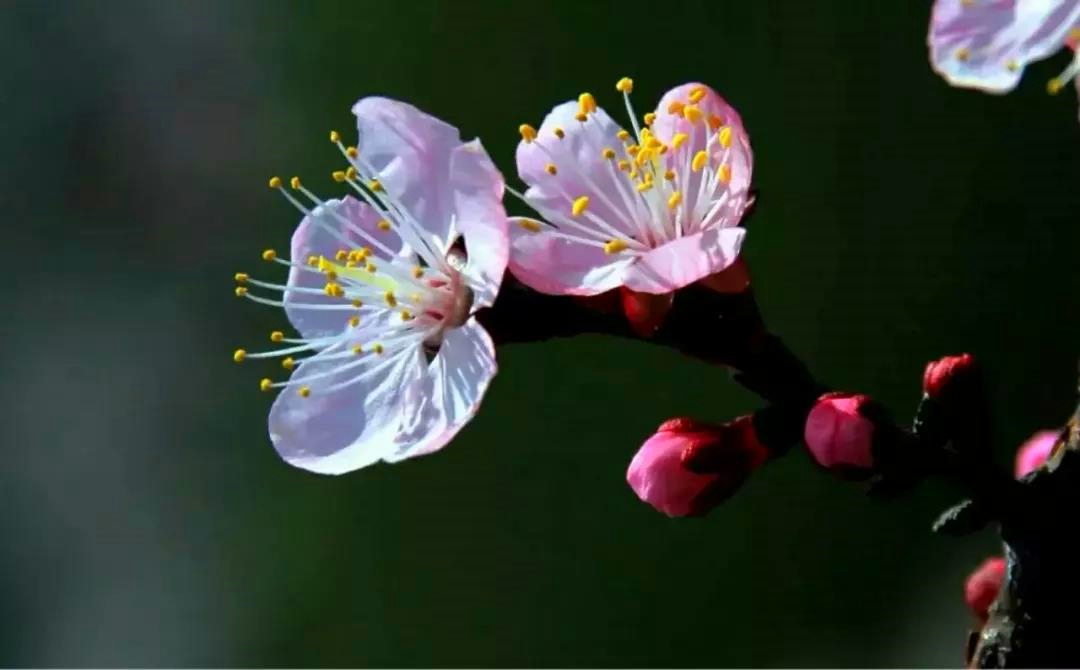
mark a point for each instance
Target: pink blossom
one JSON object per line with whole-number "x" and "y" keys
{"x": 986, "y": 44}
{"x": 983, "y": 585}
{"x": 838, "y": 436}
{"x": 651, "y": 210}
{"x": 1033, "y": 453}
{"x": 944, "y": 373}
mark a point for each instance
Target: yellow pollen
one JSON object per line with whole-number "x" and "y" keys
{"x": 696, "y": 94}
{"x": 725, "y": 137}
{"x": 333, "y": 290}
{"x": 663, "y": 149}
{"x": 294, "y": 183}
{"x": 390, "y": 299}
{"x": 338, "y": 175}
{"x": 417, "y": 272}
{"x": 679, "y": 139}
{"x": 530, "y": 225}
{"x": 406, "y": 315}
{"x": 1054, "y": 86}
{"x": 633, "y": 149}
{"x": 653, "y": 143}
{"x": 580, "y": 205}
{"x": 370, "y": 267}
{"x": 354, "y": 321}
{"x": 559, "y": 132}
{"x": 623, "y": 135}
{"x": 269, "y": 255}
{"x": 312, "y": 260}
{"x": 715, "y": 122}
{"x": 350, "y": 263}
{"x": 377, "y": 348}
{"x": 358, "y": 349}
{"x": 646, "y": 133}
{"x": 624, "y": 165}
{"x": 241, "y": 291}
{"x": 383, "y": 225}
{"x": 724, "y": 173}
{"x": 676, "y": 107}
{"x": 277, "y": 336}
{"x": 644, "y": 186}
{"x": 691, "y": 113}
{"x": 239, "y": 355}
{"x": 643, "y": 157}
{"x": 963, "y": 53}
{"x": 586, "y": 103}
{"x": 674, "y": 200}
{"x": 625, "y": 85}
{"x": 275, "y": 182}
{"x": 240, "y": 277}
{"x": 375, "y": 185}
{"x": 700, "y": 159}
{"x": 357, "y": 304}
{"x": 581, "y": 116}
{"x": 305, "y": 391}
{"x": 350, "y": 173}
{"x": 551, "y": 169}
{"x": 341, "y": 255}
{"x": 1012, "y": 66}
{"x": 265, "y": 384}
{"x": 351, "y": 152}
{"x": 614, "y": 246}
{"x": 528, "y": 133}
{"x": 669, "y": 175}
{"x": 334, "y": 137}
{"x": 649, "y": 118}
{"x": 288, "y": 363}
{"x": 608, "y": 153}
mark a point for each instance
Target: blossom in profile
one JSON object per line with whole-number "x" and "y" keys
{"x": 983, "y": 585}
{"x": 388, "y": 361}
{"x": 838, "y": 435}
{"x": 650, "y": 209}
{"x": 986, "y": 44}
{"x": 1035, "y": 451}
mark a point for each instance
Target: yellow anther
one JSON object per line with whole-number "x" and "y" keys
{"x": 240, "y": 277}
{"x": 625, "y": 85}
{"x": 608, "y": 153}
{"x": 338, "y": 175}
{"x": 1074, "y": 34}
{"x": 581, "y": 116}
{"x": 390, "y": 299}
{"x": 277, "y": 336}
{"x": 962, "y": 54}
{"x": 724, "y": 136}
{"x": 551, "y": 169}
{"x": 313, "y": 260}
{"x": 580, "y": 205}
{"x": 614, "y": 246}
{"x": 530, "y": 225}
{"x": 333, "y": 290}
{"x": 294, "y": 183}
{"x": 304, "y": 391}
{"x": 350, "y": 173}
{"x": 358, "y": 349}
{"x": 334, "y": 137}
{"x": 679, "y": 139}
{"x": 351, "y": 152}
{"x": 357, "y": 303}
{"x": 241, "y": 291}
{"x": 275, "y": 182}
{"x": 288, "y": 363}
{"x": 674, "y": 200}
{"x": 624, "y": 165}
{"x": 623, "y": 135}
{"x": 406, "y": 315}
{"x": 239, "y": 355}
{"x": 663, "y": 149}
{"x": 269, "y": 255}
{"x": 370, "y": 267}
{"x": 648, "y": 176}
{"x": 1012, "y": 66}
{"x": 417, "y": 272}
{"x": 724, "y": 173}
{"x": 383, "y": 225}
{"x": 676, "y": 107}
{"x": 586, "y": 103}
{"x": 646, "y": 133}
{"x": 649, "y": 118}
{"x": 265, "y": 384}
{"x": 700, "y": 160}
{"x": 350, "y": 264}
{"x": 715, "y": 122}
{"x": 330, "y": 274}
{"x": 633, "y": 149}
{"x": 696, "y": 94}
{"x": 669, "y": 175}
{"x": 692, "y": 114}
{"x": 528, "y": 133}
{"x": 653, "y": 143}
{"x": 644, "y": 186}
{"x": 377, "y": 348}
{"x": 375, "y": 185}
{"x": 643, "y": 156}
{"x": 341, "y": 255}
{"x": 559, "y": 132}
{"x": 1054, "y": 86}
{"x": 354, "y": 321}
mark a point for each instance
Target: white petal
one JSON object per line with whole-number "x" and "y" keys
{"x": 477, "y": 195}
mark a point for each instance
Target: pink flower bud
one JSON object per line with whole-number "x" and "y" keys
{"x": 1033, "y": 453}
{"x": 645, "y": 311}
{"x": 838, "y": 436}
{"x": 982, "y": 586}
{"x": 943, "y": 372}
{"x": 726, "y": 454}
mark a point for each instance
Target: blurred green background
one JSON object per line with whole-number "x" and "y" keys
{"x": 145, "y": 518}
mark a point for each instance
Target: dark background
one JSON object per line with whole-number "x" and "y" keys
{"x": 145, "y": 518}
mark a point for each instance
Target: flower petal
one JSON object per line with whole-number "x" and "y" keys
{"x": 685, "y": 260}
{"x": 341, "y": 430}
{"x": 322, "y": 233}
{"x": 985, "y": 44}
{"x": 410, "y": 152}
{"x": 550, "y": 263}
{"x": 450, "y": 393}
{"x": 479, "y": 215}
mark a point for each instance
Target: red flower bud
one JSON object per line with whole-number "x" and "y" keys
{"x": 1032, "y": 454}
{"x": 838, "y": 436}
{"x": 942, "y": 373}
{"x": 733, "y": 279}
{"x": 688, "y": 467}
{"x": 982, "y": 586}
{"x": 645, "y": 311}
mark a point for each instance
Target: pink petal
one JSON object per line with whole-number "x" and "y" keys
{"x": 479, "y": 215}
{"x": 657, "y": 476}
{"x": 985, "y": 44}
{"x": 561, "y": 266}
{"x": 1033, "y": 453}
{"x": 684, "y": 261}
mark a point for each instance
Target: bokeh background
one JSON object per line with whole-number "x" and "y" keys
{"x": 145, "y": 518}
